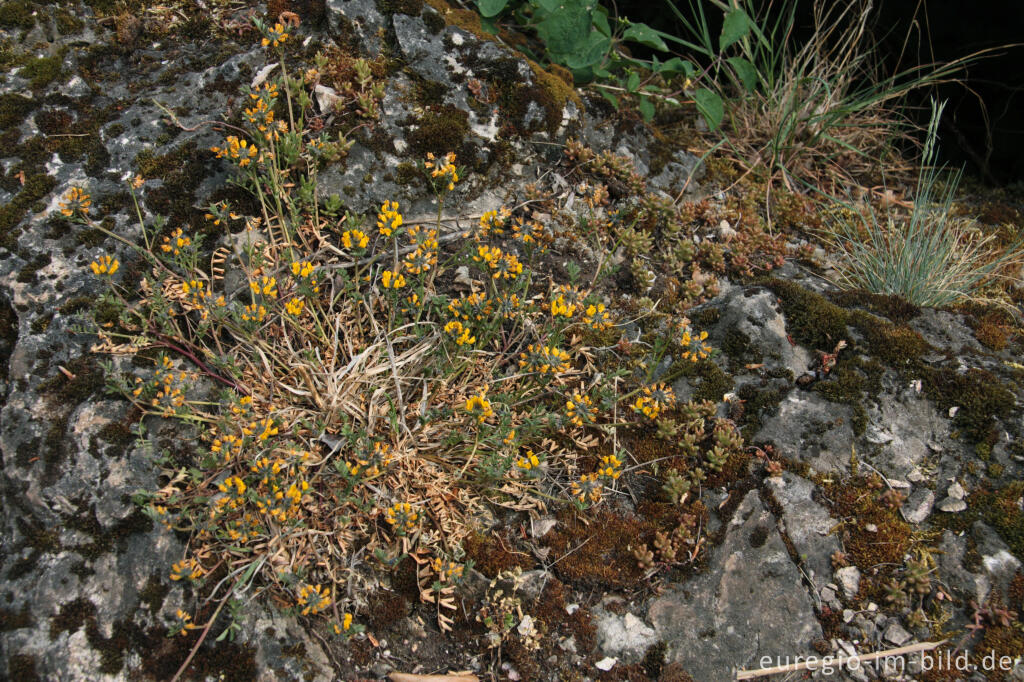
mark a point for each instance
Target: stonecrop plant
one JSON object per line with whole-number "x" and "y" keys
{"x": 351, "y": 410}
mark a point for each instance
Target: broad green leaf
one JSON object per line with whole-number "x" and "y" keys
{"x": 645, "y": 35}
{"x": 745, "y": 71}
{"x": 646, "y": 107}
{"x": 489, "y": 25}
{"x": 710, "y": 106}
{"x": 600, "y": 19}
{"x": 677, "y": 65}
{"x": 633, "y": 82}
{"x": 491, "y": 8}
{"x": 591, "y": 53}
{"x": 566, "y": 31}
{"x": 551, "y": 5}
{"x": 735, "y": 27}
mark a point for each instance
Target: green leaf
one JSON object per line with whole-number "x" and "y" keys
{"x": 645, "y": 35}
{"x": 489, "y": 25}
{"x": 610, "y": 97}
{"x": 646, "y": 107}
{"x": 677, "y": 65}
{"x": 633, "y": 82}
{"x": 566, "y": 31}
{"x": 735, "y": 27}
{"x": 745, "y": 71}
{"x": 552, "y": 5}
{"x": 591, "y": 53}
{"x": 600, "y": 19}
{"x": 491, "y": 8}
{"x": 710, "y": 106}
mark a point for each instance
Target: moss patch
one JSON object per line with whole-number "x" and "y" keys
{"x": 441, "y": 130}
{"x": 41, "y": 71}
{"x": 598, "y": 553}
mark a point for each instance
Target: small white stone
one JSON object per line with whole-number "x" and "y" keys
{"x": 952, "y": 505}
{"x": 956, "y": 491}
{"x": 848, "y": 615}
{"x": 606, "y": 663}
{"x": 897, "y": 635}
{"x": 849, "y": 578}
{"x": 572, "y": 608}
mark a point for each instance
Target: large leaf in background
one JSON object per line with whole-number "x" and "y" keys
{"x": 591, "y": 54}
{"x": 735, "y": 27}
{"x": 710, "y": 106}
{"x": 645, "y": 35}
{"x": 676, "y": 66}
{"x": 491, "y": 8}
{"x": 745, "y": 71}
{"x": 567, "y": 30}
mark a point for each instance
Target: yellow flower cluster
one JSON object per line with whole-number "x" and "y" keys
{"x": 444, "y": 169}
{"x": 388, "y": 218}
{"x": 588, "y": 488}
{"x": 238, "y": 149}
{"x": 370, "y": 461}
{"x": 580, "y": 409}
{"x": 354, "y": 240}
{"x": 491, "y": 222}
{"x": 346, "y": 624}
{"x": 392, "y": 280}
{"x": 654, "y": 399}
{"x": 402, "y": 517}
{"x": 267, "y": 286}
{"x": 274, "y": 36}
{"x": 295, "y": 307}
{"x": 528, "y": 461}
{"x": 562, "y": 308}
{"x": 544, "y": 359}
{"x": 75, "y": 201}
{"x": 596, "y": 317}
{"x": 104, "y": 265}
{"x": 302, "y": 269}
{"x": 462, "y": 334}
{"x": 479, "y": 406}
{"x": 229, "y": 446}
{"x": 446, "y": 570}
{"x": 254, "y": 313}
{"x": 313, "y": 599}
{"x": 610, "y": 467}
{"x": 472, "y": 308}
{"x": 694, "y": 345}
{"x": 174, "y": 243}
{"x": 185, "y": 622}
{"x": 502, "y": 265}
{"x": 186, "y": 569}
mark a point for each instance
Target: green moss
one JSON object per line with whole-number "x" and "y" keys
{"x": 435, "y": 24}
{"x": 440, "y": 130}
{"x": 407, "y": 174}
{"x": 713, "y": 382}
{"x": 810, "y": 319}
{"x": 757, "y": 403}
{"x": 42, "y": 71}
{"x": 978, "y": 394}
{"x": 736, "y": 345}
{"x": 893, "y": 307}
{"x": 14, "y": 108}
{"x": 36, "y": 187}
{"x": 598, "y": 553}
{"x": 68, "y": 23}
{"x": 410, "y": 7}
{"x": 86, "y": 378}
{"x": 17, "y": 14}
{"x": 896, "y": 344}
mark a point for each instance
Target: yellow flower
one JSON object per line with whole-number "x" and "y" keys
{"x": 295, "y": 306}
{"x": 275, "y": 36}
{"x": 402, "y": 517}
{"x": 392, "y": 280}
{"x": 314, "y": 598}
{"x": 560, "y": 307}
{"x": 389, "y": 219}
{"x": 610, "y": 467}
{"x": 104, "y": 265}
{"x": 580, "y": 409}
{"x": 354, "y": 239}
{"x": 654, "y": 400}
{"x": 544, "y": 359}
{"x": 479, "y": 406}
{"x": 186, "y": 569}
{"x": 266, "y": 286}
{"x": 302, "y": 269}
{"x": 694, "y": 345}
{"x": 528, "y": 461}
{"x": 75, "y": 201}
{"x": 461, "y": 333}
{"x": 597, "y": 317}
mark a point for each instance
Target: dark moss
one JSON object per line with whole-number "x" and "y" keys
{"x": 810, "y": 319}
{"x": 154, "y": 593}
{"x": 117, "y": 433}
{"x": 736, "y": 345}
{"x": 411, "y": 7}
{"x": 440, "y": 130}
{"x": 8, "y": 333}
{"x": 86, "y": 378}
{"x": 104, "y": 540}
{"x": 72, "y": 616}
{"x": 978, "y": 394}
{"x": 713, "y": 382}
{"x": 706, "y": 317}
{"x": 22, "y": 667}
{"x": 407, "y": 173}
{"x": 17, "y": 14}
{"x": 14, "y": 109}
{"x": 896, "y": 344}
{"x": 67, "y": 23}
{"x": 435, "y": 24}
{"x": 491, "y": 556}
{"x": 42, "y": 71}
{"x": 27, "y": 274}
{"x": 893, "y": 307}
{"x": 599, "y": 553}
{"x": 999, "y": 508}
{"x": 182, "y": 171}
{"x": 41, "y": 323}
{"x": 11, "y": 620}
{"x": 386, "y": 609}
{"x": 758, "y": 402}
{"x": 36, "y": 187}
